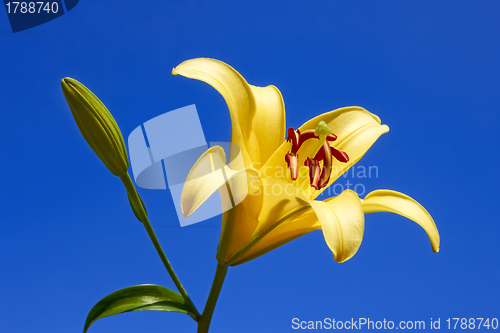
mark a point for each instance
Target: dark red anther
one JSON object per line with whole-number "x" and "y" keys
{"x": 324, "y": 154}
{"x": 331, "y": 137}
{"x": 297, "y": 138}
{"x": 292, "y": 160}
{"x": 294, "y": 137}
{"x": 341, "y": 156}
{"x": 314, "y": 172}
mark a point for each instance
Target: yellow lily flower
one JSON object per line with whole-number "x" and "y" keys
{"x": 279, "y": 180}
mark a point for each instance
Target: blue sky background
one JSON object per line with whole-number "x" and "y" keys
{"x": 429, "y": 69}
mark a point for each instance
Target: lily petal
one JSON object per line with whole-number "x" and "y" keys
{"x": 299, "y": 224}
{"x": 279, "y": 202}
{"x": 241, "y": 195}
{"x": 341, "y": 219}
{"x": 399, "y": 203}
{"x": 209, "y": 174}
{"x": 356, "y": 129}
{"x": 342, "y": 222}
{"x": 240, "y": 222}
{"x": 257, "y": 114}
{"x": 269, "y": 122}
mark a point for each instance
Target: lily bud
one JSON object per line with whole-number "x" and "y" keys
{"x": 97, "y": 126}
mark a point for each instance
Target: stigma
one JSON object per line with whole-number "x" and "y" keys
{"x": 320, "y": 161}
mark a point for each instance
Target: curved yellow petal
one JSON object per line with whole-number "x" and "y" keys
{"x": 257, "y": 114}
{"x": 342, "y": 222}
{"x": 356, "y": 129}
{"x": 240, "y": 222}
{"x": 209, "y": 174}
{"x": 341, "y": 219}
{"x": 299, "y": 223}
{"x": 399, "y": 203}
{"x": 279, "y": 202}
{"x": 269, "y": 122}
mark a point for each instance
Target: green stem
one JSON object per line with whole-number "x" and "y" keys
{"x": 135, "y": 199}
{"x": 206, "y": 317}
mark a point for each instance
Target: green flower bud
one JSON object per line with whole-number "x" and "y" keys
{"x": 97, "y": 126}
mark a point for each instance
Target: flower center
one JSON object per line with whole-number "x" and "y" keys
{"x": 320, "y": 166}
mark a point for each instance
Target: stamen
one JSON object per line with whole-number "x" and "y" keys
{"x": 326, "y": 156}
{"x": 296, "y": 138}
{"x": 293, "y": 164}
{"x": 320, "y": 166}
{"x": 293, "y": 138}
{"x": 339, "y": 155}
{"x": 314, "y": 172}
{"x": 331, "y": 137}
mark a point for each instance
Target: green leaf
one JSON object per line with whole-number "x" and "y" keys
{"x": 137, "y": 298}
